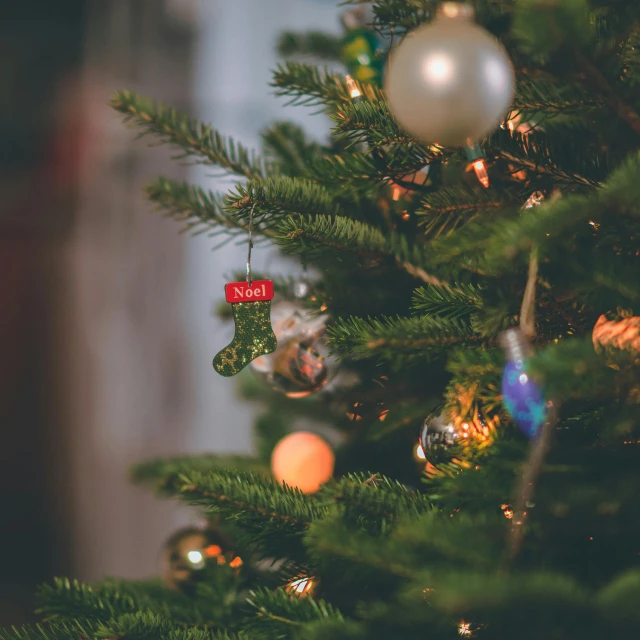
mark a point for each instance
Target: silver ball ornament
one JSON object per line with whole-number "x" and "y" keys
{"x": 438, "y": 434}
{"x": 301, "y": 365}
{"x": 450, "y": 82}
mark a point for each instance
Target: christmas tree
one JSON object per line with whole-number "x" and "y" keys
{"x": 479, "y": 297}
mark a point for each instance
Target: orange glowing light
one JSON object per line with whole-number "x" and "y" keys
{"x": 303, "y": 460}
{"x": 236, "y": 562}
{"x": 396, "y": 192}
{"x": 213, "y": 551}
{"x": 352, "y": 87}
{"x": 480, "y": 168}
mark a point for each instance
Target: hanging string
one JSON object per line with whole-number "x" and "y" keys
{"x": 250, "y": 243}
{"x": 528, "y": 308}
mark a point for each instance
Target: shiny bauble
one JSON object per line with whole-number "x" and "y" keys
{"x": 303, "y": 460}
{"x": 301, "y": 365}
{"x": 361, "y": 53}
{"x": 449, "y": 82}
{"x": 437, "y": 437}
{"x": 191, "y": 555}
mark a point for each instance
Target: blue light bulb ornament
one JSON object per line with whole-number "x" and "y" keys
{"x": 521, "y": 396}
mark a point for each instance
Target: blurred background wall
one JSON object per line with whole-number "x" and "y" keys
{"x": 106, "y": 325}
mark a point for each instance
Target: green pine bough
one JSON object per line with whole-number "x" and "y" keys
{"x": 418, "y": 284}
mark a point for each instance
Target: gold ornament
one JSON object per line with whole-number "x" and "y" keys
{"x": 623, "y": 333}
{"x": 190, "y": 555}
{"x": 302, "y": 586}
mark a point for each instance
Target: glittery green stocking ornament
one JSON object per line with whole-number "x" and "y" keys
{"x": 254, "y": 337}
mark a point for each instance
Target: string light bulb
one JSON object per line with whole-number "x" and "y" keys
{"x": 302, "y": 587}
{"x": 480, "y": 169}
{"x": 352, "y": 88}
{"x": 477, "y": 163}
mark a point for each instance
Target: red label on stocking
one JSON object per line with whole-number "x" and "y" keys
{"x": 242, "y": 292}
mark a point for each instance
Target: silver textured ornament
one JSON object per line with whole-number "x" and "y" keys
{"x": 450, "y": 82}
{"x": 438, "y": 435}
{"x": 301, "y": 365}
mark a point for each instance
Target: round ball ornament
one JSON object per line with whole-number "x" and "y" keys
{"x": 303, "y": 460}
{"x": 191, "y": 555}
{"x": 301, "y": 364}
{"x": 437, "y": 437}
{"x": 450, "y": 82}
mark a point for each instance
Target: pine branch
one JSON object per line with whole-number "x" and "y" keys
{"x": 535, "y": 96}
{"x": 271, "y": 517}
{"x": 276, "y": 198}
{"x": 397, "y": 16}
{"x": 561, "y": 155}
{"x": 58, "y": 631}
{"x": 145, "y": 625}
{"x": 280, "y": 615}
{"x": 343, "y": 236}
{"x": 449, "y": 208}
{"x": 457, "y": 301}
{"x": 351, "y": 173}
{"x": 66, "y": 599}
{"x": 392, "y": 338}
{"x": 310, "y": 86}
{"x": 165, "y": 474}
{"x": 195, "y": 139}
{"x": 370, "y": 121}
{"x": 616, "y": 102}
{"x": 374, "y": 501}
{"x": 310, "y": 43}
{"x": 287, "y": 143}
{"x": 199, "y": 211}
{"x": 553, "y": 221}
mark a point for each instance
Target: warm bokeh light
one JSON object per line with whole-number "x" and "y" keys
{"x": 480, "y": 169}
{"x": 195, "y": 558}
{"x": 352, "y": 87}
{"x": 302, "y": 587}
{"x": 303, "y": 460}
{"x": 464, "y": 629}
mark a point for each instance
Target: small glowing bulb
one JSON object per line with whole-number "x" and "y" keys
{"x": 464, "y": 628}
{"x": 352, "y": 88}
{"x": 302, "y": 587}
{"x": 481, "y": 172}
{"x": 196, "y": 559}
{"x": 419, "y": 452}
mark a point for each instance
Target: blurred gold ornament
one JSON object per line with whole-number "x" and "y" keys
{"x": 302, "y": 586}
{"x": 622, "y": 333}
{"x": 191, "y": 554}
